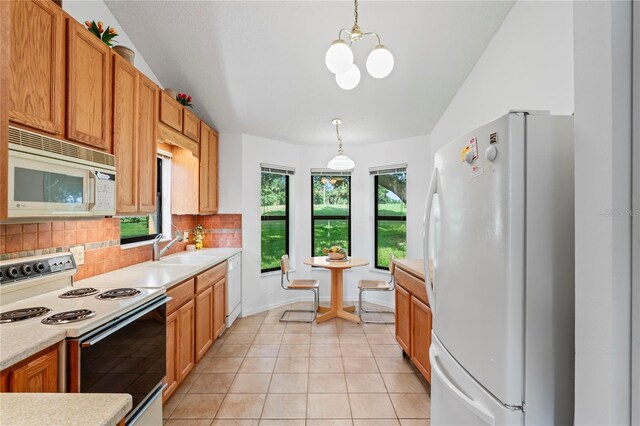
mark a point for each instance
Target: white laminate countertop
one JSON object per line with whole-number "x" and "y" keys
{"x": 167, "y": 272}
{"x": 20, "y": 341}
{"x": 23, "y": 340}
{"x": 63, "y": 409}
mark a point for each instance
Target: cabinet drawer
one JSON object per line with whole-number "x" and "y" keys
{"x": 180, "y": 294}
{"x": 413, "y": 285}
{"x": 211, "y": 276}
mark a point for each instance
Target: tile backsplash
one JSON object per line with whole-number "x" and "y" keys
{"x": 101, "y": 240}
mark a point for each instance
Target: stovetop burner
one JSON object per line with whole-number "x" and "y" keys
{"x": 69, "y": 316}
{"x": 118, "y": 293}
{"x": 22, "y": 314}
{"x": 78, "y": 292}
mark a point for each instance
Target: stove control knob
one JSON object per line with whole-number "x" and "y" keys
{"x": 39, "y": 267}
{"x": 26, "y": 269}
{"x": 12, "y": 272}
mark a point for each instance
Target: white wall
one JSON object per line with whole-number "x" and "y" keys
{"x": 240, "y": 159}
{"x": 97, "y": 10}
{"x": 527, "y": 65}
{"x": 603, "y": 202}
{"x": 230, "y": 173}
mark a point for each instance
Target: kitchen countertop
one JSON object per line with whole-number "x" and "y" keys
{"x": 412, "y": 266}
{"x": 167, "y": 272}
{"x": 63, "y": 409}
{"x": 24, "y": 340}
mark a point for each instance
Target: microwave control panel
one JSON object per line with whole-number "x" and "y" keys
{"x": 105, "y": 192}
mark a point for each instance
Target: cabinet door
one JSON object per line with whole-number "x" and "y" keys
{"x": 421, "y": 336}
{"x": 403, "y": 319}
{"x": 219, "y": 307}
{"x": 125, "y": 134}
{"x": 184, "y": 182}
{"x": 39, "y": 375}
{"x": 36, "y": 95}
{"x": 171, "y": 112}
{"x": 171, "y": 379}
{"x": 208, "y": 170}
{"x": 190, "y": 125}
{"x": 88, "y": 102}
{"x": 204, "y": 322}
{"x": 147, "y": 132}
{"x": 186, "y": 360}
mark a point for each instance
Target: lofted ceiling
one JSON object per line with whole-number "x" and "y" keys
{"x": 257, "y": 67}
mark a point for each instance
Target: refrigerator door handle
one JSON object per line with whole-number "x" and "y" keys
{"x": 425, "y": 238}
{"x": 473, "y": 406}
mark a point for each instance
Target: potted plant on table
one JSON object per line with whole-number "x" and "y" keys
{"x": 335, "y": 253}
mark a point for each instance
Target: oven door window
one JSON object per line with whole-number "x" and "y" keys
{"x": 47, "y": 187}
{"x": 131, "y": 360}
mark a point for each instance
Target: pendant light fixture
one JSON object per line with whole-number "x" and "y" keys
{"x": 340, "y": 161}
{"x": 339, "y": 57}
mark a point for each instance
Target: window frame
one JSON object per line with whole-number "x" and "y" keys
{"x": 159, "y": 212}
{"x": 330, "y": 217}
{"x": 286, "y": 218}
{"x": 377, "y": 218}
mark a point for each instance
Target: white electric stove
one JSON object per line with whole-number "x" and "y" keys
{"x": 116, "y": 336}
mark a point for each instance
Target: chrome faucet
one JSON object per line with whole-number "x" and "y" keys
{"x": 157, "y": 252}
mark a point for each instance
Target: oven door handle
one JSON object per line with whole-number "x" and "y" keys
{"x": 110, "y": 330}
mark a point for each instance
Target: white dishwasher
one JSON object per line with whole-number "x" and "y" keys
{"x": 234, "y": 288}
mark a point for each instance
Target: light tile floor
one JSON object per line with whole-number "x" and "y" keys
{"x": 265, "y": 372}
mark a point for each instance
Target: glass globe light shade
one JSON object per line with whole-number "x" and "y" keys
{"x": 380, "y": 62}
{"x": 341, "y": 162}
{"x": 339, "y": 57}
{"x": 349, "y": 79}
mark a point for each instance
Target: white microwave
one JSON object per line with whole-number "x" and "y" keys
{"x": 50, "y": 178}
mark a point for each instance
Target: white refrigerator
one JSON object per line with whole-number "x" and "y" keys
{"x": 499, "y": 239}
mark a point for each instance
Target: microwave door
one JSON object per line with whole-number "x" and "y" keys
{"x": 41, "y": 186}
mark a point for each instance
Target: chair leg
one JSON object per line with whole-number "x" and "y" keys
{"x": 372, "y": 311}
{"x": 314, "y": 311}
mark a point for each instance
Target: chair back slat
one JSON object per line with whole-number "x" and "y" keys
{"x": 284, "y": 264}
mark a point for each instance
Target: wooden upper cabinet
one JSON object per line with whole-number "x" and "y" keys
{"x": 208, "y": 170}
{"x": 36, "y": 90}
{"x": 147, "y": 132}
{"x": 125, "y": 134}
{"x": 171, "y": 112}
{"x": 184, "y": 182}
{"x": 190, "y": 125}
{"x": 88, "y": 88}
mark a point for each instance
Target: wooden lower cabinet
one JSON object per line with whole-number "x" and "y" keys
{"x": 219, "y": 307}
{"x": 171, "y": 378}
{"x": 186, "y": 347}
{"x": 421, "y": 336}
{"x": 403, "y": 319}
{"x": 413, "y": 316}
{"x": 204, "y": 322}
{"x": 38, "y": 373}
{"x": 196, "y": 316}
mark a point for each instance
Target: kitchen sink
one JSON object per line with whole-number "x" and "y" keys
{"x": 187, "y": 259}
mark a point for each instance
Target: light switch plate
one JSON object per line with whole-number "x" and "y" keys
{"x": 78, "y": 254}
{"x": 185, "y": 236}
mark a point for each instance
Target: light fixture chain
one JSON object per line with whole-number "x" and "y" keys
{"x": 339, "y": 138}
{"x": 355, "y": 12}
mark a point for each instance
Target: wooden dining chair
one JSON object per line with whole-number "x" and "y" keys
{"x": 376, "y": 285}
{"x": 299, "y": 284}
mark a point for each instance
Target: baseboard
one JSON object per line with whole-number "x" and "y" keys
{"x": 307, "y": 299}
